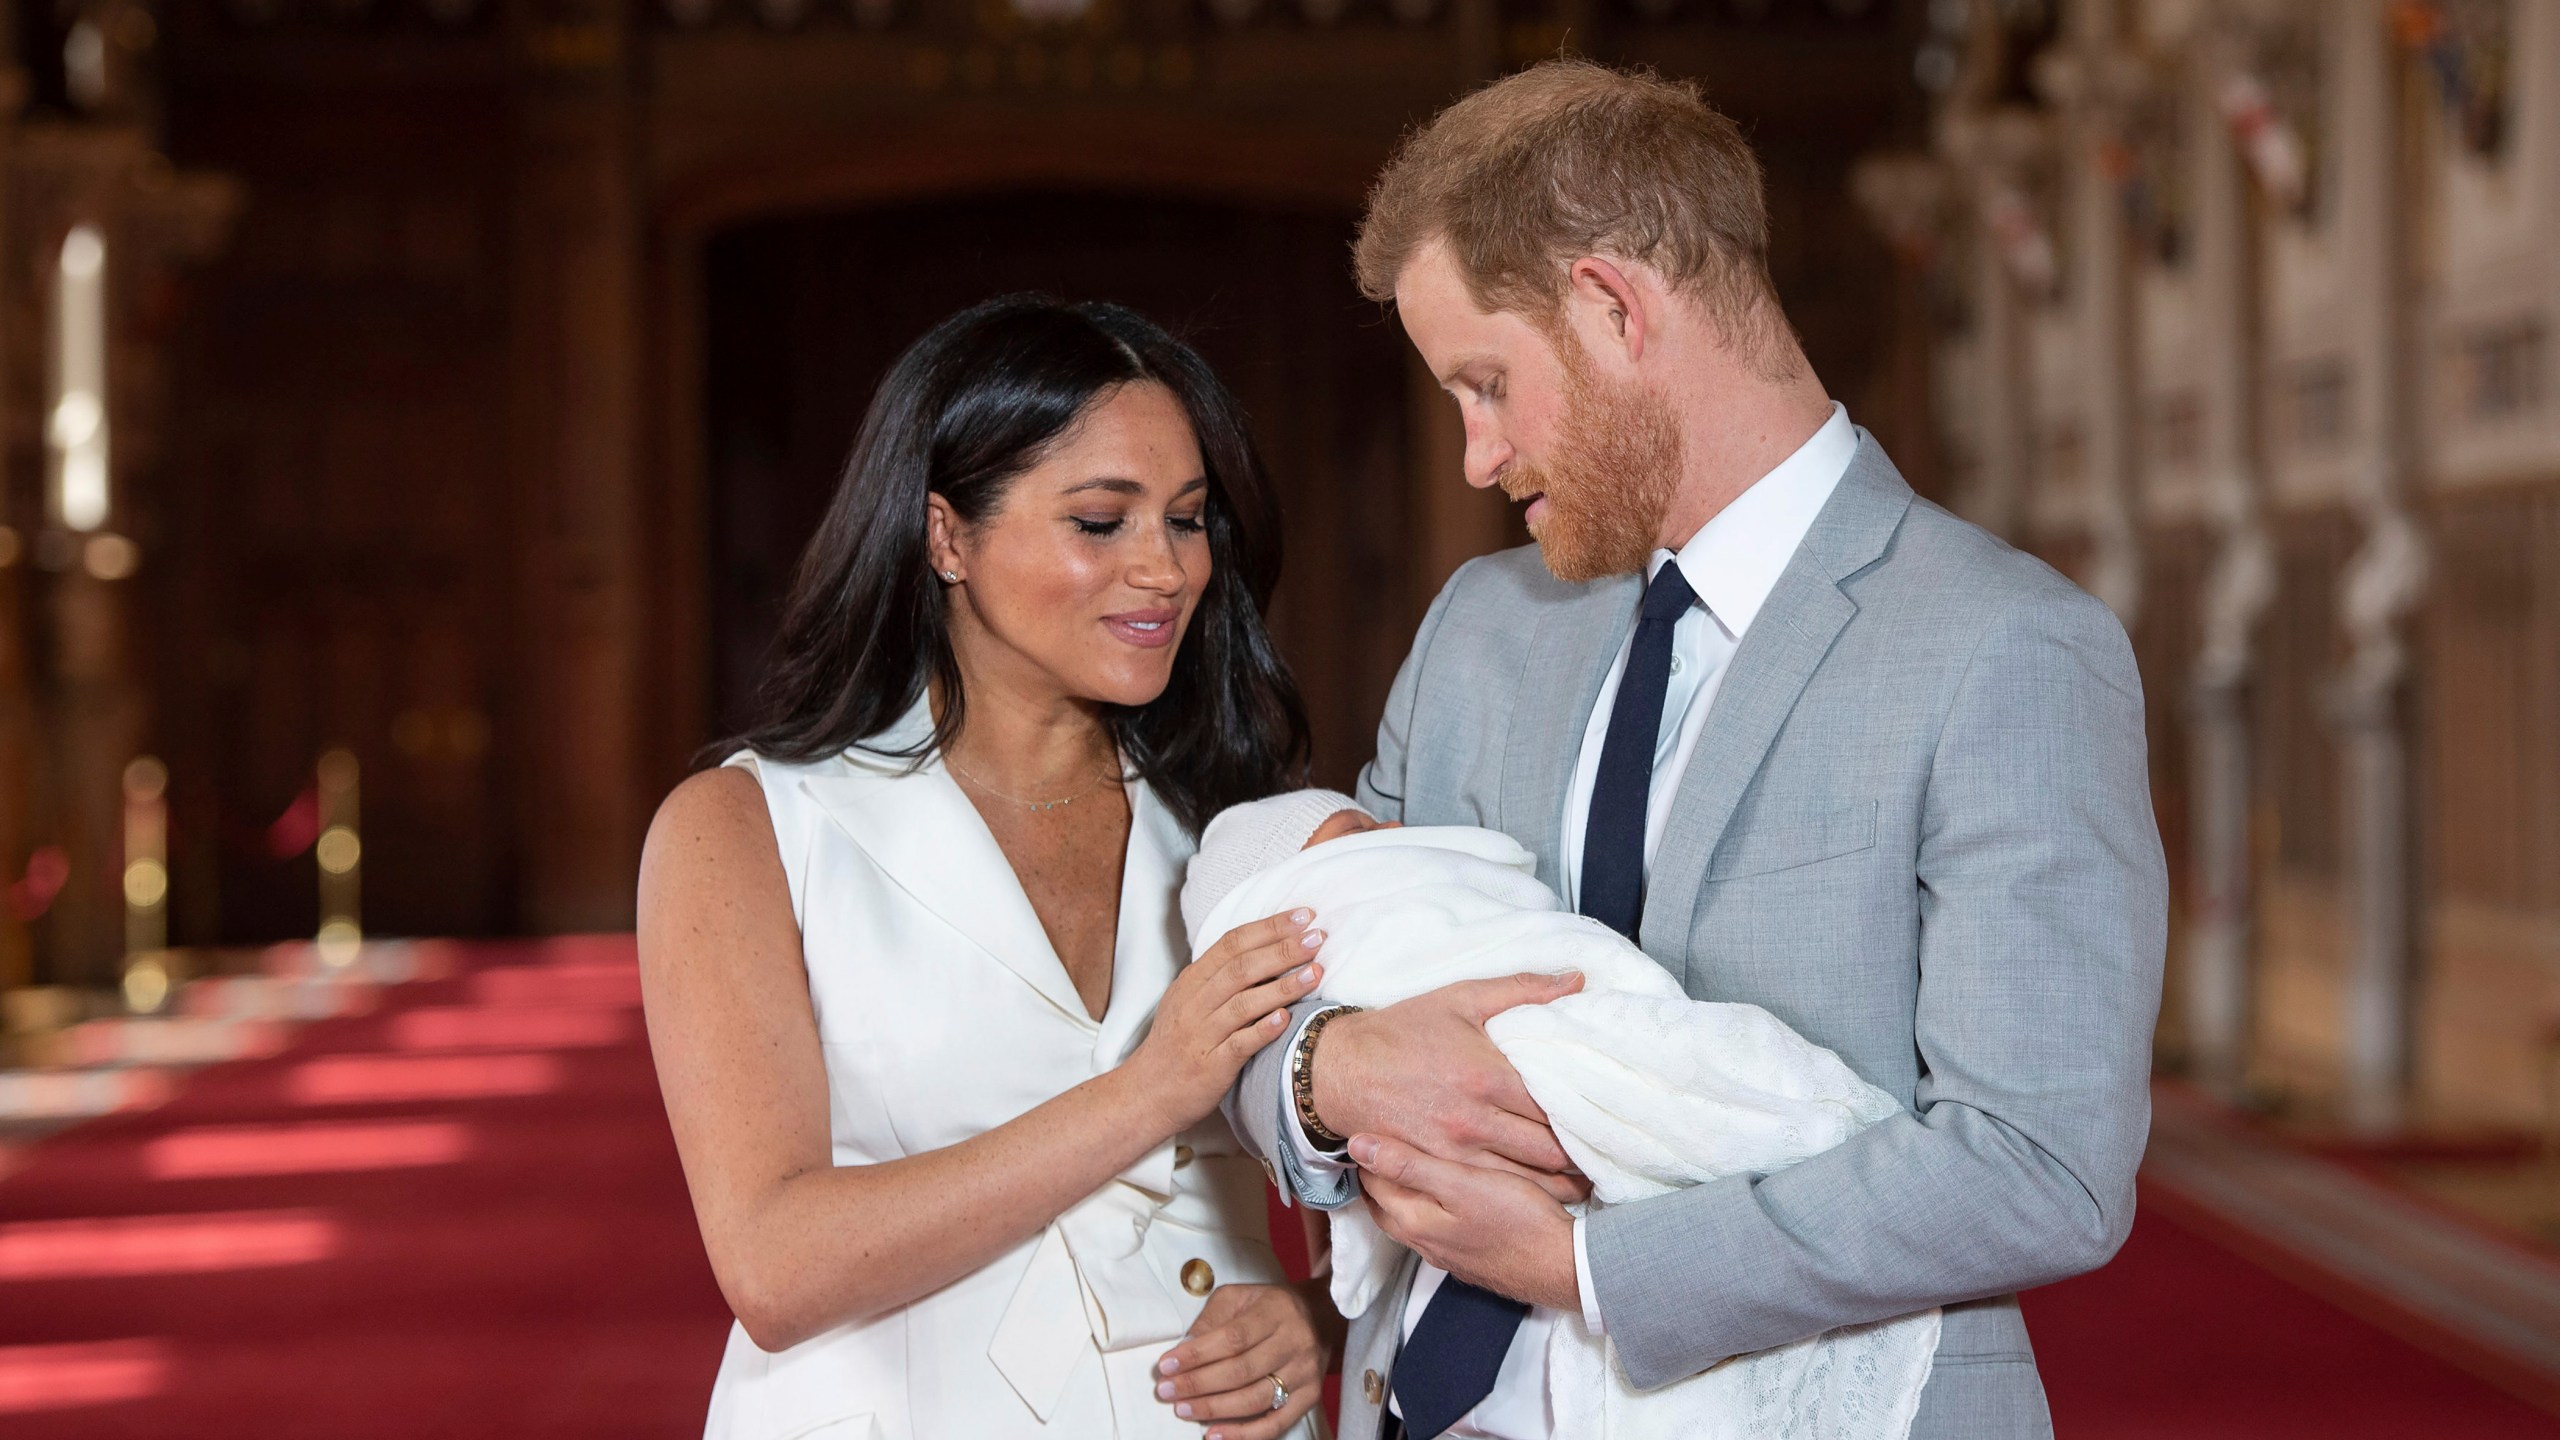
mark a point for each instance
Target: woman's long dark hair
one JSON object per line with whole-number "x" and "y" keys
{"x": 965, "y": 411}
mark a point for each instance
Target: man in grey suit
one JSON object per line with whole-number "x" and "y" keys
{"x": 1816, "y": 744}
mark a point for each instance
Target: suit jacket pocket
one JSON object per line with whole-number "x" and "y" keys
{"x": 1826, "y": 833}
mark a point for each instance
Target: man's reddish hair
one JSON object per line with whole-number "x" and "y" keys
{"x": 1570, "y": 158}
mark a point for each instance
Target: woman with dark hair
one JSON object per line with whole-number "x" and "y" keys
{"x": 945, "y": 1092}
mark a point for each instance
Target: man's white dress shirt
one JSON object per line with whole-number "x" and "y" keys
{"x": 1733, "y": 562}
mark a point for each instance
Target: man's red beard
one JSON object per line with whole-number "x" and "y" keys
{"x": 1610, "y": 478}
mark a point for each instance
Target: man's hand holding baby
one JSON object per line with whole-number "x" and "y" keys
{"x": 1422, "y": 1072}
{"x": 1486, "y": 1227}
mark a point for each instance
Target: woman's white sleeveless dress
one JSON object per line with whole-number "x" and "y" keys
{"x": 944, "y": 1013}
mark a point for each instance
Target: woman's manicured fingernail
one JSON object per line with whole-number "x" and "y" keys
{"x": 1275, "y": 1020}
{"x": 1302, "y": 916}
{"x": 1183, "y": 1410}
{"x": 1168, "y": 1365}
{"x": 1312, "y": 939}
{"x": 1164, "y": 1391}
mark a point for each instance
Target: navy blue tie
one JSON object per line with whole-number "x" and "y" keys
{"x": 1456, "y": 1352}
{"x": 1613, "y": 837}
{"x": 1449, "y": 1365}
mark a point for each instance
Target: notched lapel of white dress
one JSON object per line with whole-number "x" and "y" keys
{"x": 923, "y": 833}
{"x": 1150, "y": 947}
{"x": 1805, "y": 613}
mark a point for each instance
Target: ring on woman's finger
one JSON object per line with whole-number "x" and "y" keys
{"x": 1279, "y": 1392}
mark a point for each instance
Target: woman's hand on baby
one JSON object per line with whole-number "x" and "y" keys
{"x": 1222, "y": 1008}
{"x": 1221, "y": 1373}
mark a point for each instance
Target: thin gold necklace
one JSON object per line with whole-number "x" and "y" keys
{"x": 1061, "y": 803}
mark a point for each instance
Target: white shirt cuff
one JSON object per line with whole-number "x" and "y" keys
{"x": 1582, "y": 1281}
{"x": 1317, "y": 1162}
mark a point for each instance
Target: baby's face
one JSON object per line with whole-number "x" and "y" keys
{"x": 1346, "y": 822}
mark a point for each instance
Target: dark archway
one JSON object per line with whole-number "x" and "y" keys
{"x": 805, "y": 313}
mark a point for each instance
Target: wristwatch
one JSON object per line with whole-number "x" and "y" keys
{"x": 1302, "y": 1078}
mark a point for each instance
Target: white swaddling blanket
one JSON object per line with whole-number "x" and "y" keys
{"x": 1647, "y": 1089}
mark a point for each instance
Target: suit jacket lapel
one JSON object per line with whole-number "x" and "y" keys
{"x": 1569, "y": 657}
{"x": 1786, "y": 643}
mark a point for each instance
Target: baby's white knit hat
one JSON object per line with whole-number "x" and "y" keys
{"x": 1246, "y": 840}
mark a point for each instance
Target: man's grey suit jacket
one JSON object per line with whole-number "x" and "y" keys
{"x": 1917, "y": 828}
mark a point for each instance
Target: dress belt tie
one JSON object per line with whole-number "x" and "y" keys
{"x": 1090, "y": 1285}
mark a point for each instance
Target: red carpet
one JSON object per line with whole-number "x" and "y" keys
{"x": 2182, "y": 1338}
{"x": 472, "y": 1224}
{"x": 461, "y": 1215}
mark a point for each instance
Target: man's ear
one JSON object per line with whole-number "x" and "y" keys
{"x": 1612, "y": 313}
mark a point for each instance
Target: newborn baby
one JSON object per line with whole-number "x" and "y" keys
{"x": 1648, "y": 1090}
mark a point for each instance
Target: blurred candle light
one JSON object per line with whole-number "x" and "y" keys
{"x": 146, "y": 984}
{"x": 77, "y": 434}
{"x": 146, "y": 885}
{"x": 84, "y": 63}
{"x": 110, "y": 557}
{"x": 340, "y": 852}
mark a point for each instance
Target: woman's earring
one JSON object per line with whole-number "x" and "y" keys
{"x": 951, "y": 575}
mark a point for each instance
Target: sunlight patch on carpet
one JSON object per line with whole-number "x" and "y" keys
{"x": 130, "y": 1245}
{"x": 59, "y": 1377}
{"x": 309, "y": 1148}
{"x": 467, "y": 1027}
{"x": 587, "y": 983}
{"x": 375, "y": 1079}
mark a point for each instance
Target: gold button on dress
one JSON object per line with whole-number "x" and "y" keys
{"x": 1198, "y": 1278}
